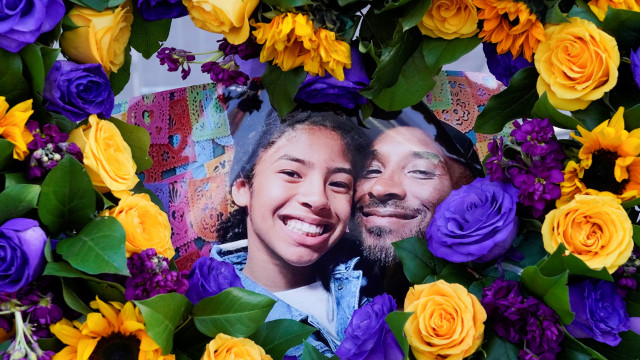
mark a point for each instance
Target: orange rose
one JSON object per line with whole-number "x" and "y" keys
{"x": 450, "y": 19}
{"x": 594, "y": 228}
{"x": 227, "y": 17}
{"x": 144, "y": 223}
{"x": 447, "y": 321}
{"x": 577, "y": 64}
{"x": 225, "y": 347}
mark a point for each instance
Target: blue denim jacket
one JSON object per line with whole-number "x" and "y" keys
{"x": 345, "y": 287}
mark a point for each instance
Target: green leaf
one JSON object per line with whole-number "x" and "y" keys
{"x": 147, "y": 36}
{"x": 114, "y": 3}
{"x": 514, "y": 102}
{"x": 624, "y": 26}
{"x": 392, "y": 4}
{"x": 138, "y": 139}
{"x": 418, "y": 262}
{"x": 190, "y": 340}
{"x": 104, "y": 291}
{"x": 582, "y": 10}
{"x": 278, "y": 336}
{"x": 414, "y": 13}
{"x": 49, "y": 57}
{"x": 15, "y": 178}
{"x": 559, "y": 262}
{"x": 6, "y": 154}
{"x": 499, "y": 348}
{"x": 553, "y": 290}
{"x": 66, "y": 200}
{"x": 162, "y": 313}
{"x": 17, "y": 200}
{"x": 594, "y": 114}
{"x": 13, "y": 86}
{"x": 309, "y": 352}
{"x": 287, "y": 4}
{"x": 627, "y": 349}
{"x": 632, "y": 118}
{"x": 438, "y": 52}
{"x": 636, "y": 234}
{"x": 235, "y": 312}
{"x": 120, "y": 78}
{"x": 572, "y": 349}
{"x": 32, "y": 57}
{"x": 282, "y": 87}
{"x": 98, "y": 248}
{"x": 555, "y": 15}
{"x": 98, "y": 5}
{"x": 396, "y": 321}
{"x": 544, "y": 109}
{"x": 72, "y": 299}
{"x": 414, "y": 82}
{"x": 64, "y": 270}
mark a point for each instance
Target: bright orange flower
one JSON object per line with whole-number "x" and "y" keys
{"x": 12, "y": 126}
{"x": 511, "y": 25}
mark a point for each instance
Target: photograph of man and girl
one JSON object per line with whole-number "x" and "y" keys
{"x": 319, "y": 199}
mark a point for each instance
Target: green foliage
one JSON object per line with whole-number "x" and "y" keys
{"x": 38, "y": 60}
{"x": 162, "y": 313}
{"x": 553, "y": 290}
{"x": 396, "y": 321}
{"x": 66, "y": 200}
{"x": 13, "y": 86}
{"x": 309, "y": 352}
{"x": 624, "y": 26}
{"x": 413, "y": 13}
{"x": 573, "y": 349}
{"x": 18, "y": 200}
{"x": 276, "y": 337}
{"x": 516, "y": 101}
{"x": 499, "y": 348}
{"x": 543, "y": 109}
{"x": 282, "y": 87}
{"x": 235, "y": 312}
{"x": 418, "y": 262}
{"x": 98, "y": 248}
{"x": 628, "y": 349}
{"x": 147, "y": 36}
{"x": 287, "y": 4}
{"x": 632, "y": 118}
{"x": 120, "y": 78}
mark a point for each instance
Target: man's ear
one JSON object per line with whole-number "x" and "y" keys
{"x": 240, "y": 192}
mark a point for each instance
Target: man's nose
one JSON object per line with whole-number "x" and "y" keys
{"x": 388, "y": 186}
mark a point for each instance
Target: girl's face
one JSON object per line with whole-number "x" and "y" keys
{"x": 300, "y": 200}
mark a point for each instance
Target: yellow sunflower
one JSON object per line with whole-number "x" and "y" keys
{"x": 116, "y": 332}
{"x": 600, "y": 7}
{"x": 511, "y": 25}
{"x": 609, "y": 162}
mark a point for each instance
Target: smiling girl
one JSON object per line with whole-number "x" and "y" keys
{"x": 294, "y": 189}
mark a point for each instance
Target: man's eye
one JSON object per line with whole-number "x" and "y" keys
{"x": 291, "y": 174}
{"x": 422, "y": 174}
{"x": 371, "y": 173}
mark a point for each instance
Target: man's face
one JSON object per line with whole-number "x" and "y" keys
{"x": 404, "y": 181}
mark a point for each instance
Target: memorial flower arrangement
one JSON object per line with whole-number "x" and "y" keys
{"x": 536, "y": 261}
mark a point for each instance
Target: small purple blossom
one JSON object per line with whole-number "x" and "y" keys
{"x": 538, "y": 185}
{"x": 176, "y": 59}
{"x": 49, "y": 134}
{"x": 249, "y": 49}
{"x": 635, "y": 65}
{"x": 494, "y": 165}
{"x": 503, "y": 66}
{"x": 150, "y": 276}
{"x": 536, "y": 136}
{"x": 48, "y": 147}
{"x": 223, "y": 75}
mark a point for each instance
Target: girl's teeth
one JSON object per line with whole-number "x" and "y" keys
{"x": 304, "y": 228}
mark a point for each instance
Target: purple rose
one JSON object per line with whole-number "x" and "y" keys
{"x": 21, "y": 253}
{"x": 503, "y": 66}
{"x": 22, "y": 21}
{"x": 151, "y": 10}
{"x": 474, "y": 223}
{"x": 209, "y": 277}
{"x": 601, "y": 313}
{"x": 368, "y": 336}
{"x": 327, "y": 89}
{"x": 635, "y": 65}
{"x": 78, "y": 90}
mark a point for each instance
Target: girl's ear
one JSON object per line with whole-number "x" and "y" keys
{"x": 240, "y": 192}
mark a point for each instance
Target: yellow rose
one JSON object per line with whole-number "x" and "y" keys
{"x": 226, "y": 17}
{"x": 447, "y": 321}
{"x": 225, "y": 347}
{"x": 107, "y": 157}
{"x": 594, "y": 228}
{"x": 577, "y": 64}
{"x": 101, "y": 37}
{"x": 600, "y": 7}
{"x": 144, "y": 223}
{"x": 450, "y": 19}
{"x": 12, "y": 126}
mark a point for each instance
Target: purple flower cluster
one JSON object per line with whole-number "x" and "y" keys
{"x": 503, "y": 66}
{"x": 176, "y": 59}
{"x": 225, "y": 74}
{"x": 150, "y": 276}
{"x": 523, "y": 320}
{"x": 247, "y": 50}
{"x": 47, "y": 148}
{"x": 624, "y": 277}
{"x": 536, "y": 170}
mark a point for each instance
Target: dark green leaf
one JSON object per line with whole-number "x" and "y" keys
{"x": 64, "y": 270}
{"x": 553, "y": 290}
{"x": 555, "y": 15}
{"x": 120, "y": 78}
{"x": 392, "y": 4}
{"x": 636, "y": 234}
{"x": 17, "y": 200}
{"x": 190, "y": 340}
{"x": 627, "y": 349}
{"x": 309, "y": 352}
{"x": 287, "y": 4}
{"x": 97, "y": 5}
{"x": 477, "y": 287}
{"x": 138, "y": 139}
{"x": 582, "y": 10}
{"x": 439, "y": 52}
{"x": 235, "y": 312}
{"x": 147, "y": 36}
{"x": 66, "y": 200}
{"x": 515, "y": 102}
{"x": 396, "y": 321}
{"x": 632, "y": 118}
{"x": 13, "y": 86}
{"x": 62, "y": 122}
{"x": 559, "y": 262}
{"x": 98, "y": 248}
{"x": 456, "y": 273}
{"x": 572, "y": 349}
{"x": 16, "y": 178}
{"x": 50, "y": 344}
{"x": 162, "y": 313}
{"x": 6, "y": 154}
{"x": 499, "y": 348}
{"x": 632, "y": 299}
{"x": 114, "y": 3}
{"x": 624, "y": 25}
{"x": 72, "y": 299}
{"x": 104, "y": 291}
{"x": 414, "y": 13}
{"x": 543, "y": 109}
{"x": 32, "y": 57}
{"x": 282, "y": 87}
{"x": 278, "y": 336}
{"x": 49, "y": 56}
{"x": 414, "y": 82}
{"x": 418, "y": 262}
{"x": 594, "y": 114}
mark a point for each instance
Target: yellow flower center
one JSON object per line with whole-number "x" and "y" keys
{"x": 117, "y": 346}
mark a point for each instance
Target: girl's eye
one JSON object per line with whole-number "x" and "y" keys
{"x": 291, "y": 174}
{"x": 340, "y": 185}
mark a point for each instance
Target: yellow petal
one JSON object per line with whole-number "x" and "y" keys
{"x": 66, "y": 332}
{"x": 86, "y": 347}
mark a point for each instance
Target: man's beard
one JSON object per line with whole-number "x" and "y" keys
{"x": 376, "y": 241}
